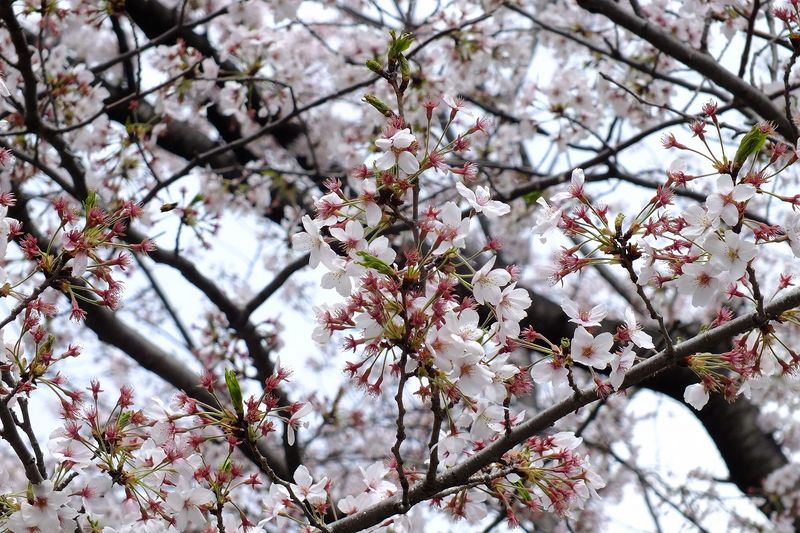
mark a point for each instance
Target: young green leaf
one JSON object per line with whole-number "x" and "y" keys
{"x": 370, "y": 261}
{"x": 750, "y": 144}
{"x": 234, "y": 390}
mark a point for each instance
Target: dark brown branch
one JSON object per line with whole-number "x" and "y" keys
{"x": 702, "y": 63}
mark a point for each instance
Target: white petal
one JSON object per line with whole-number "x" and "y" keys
{"x": 385, "y": 162}
{"x": 465, "y": 191}
{"x": 408, "y": 163}
{"x": 696, "y": 396}
{"x": 374, "y": 214}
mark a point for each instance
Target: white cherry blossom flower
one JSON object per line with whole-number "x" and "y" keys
{"x": 647, "y": 265}
{"x": 481, "y": 201}
{"x": 549, "y": 371}
{"x": 700, "y": 281}
{"x": 44, "y": 514}
{"x": 373, "y": 479}
{"x": 72, "y": 453}
{"x": 352, "y": 504}
{"x": 634, "y": 329}
{"x": 590, "y": 350}
{"x": 92, "y": 493}
{"x": 582, "y": 314}
{"x": 79, "y": 264}
{"x": 547, "y": 219}
{"x": 730, "y": 255}
{"x": 331, "y": 204}
{"x": 699, "y": 220}
{"x": 567, "y": 440}
{"x": 450, "y": 449}
{"x": 791, "y": 226}
{"x": 484, "y": 419}
{"x": 380, "y": 248}
{"x": 396, "y": 153}
{"x": 451, "y": 230}
{"x": 372, "y": 211}
{"x": 312, "y": 241}
{"x": 486, "y": 283}
{"x": 457, "y": 340}
{"x": 472, "y": 378}
{"x": 471, "y": 505}
{"x": 351, "y": 236}
{"x": 620, "y": 364}
{"x": 275, "y": 502}
{"x": 575, "y": 189}
{"x": 305, "y": 488}
{"x": 510, "y": 310}
{"x": 723, "y": 204}
{"x": 340, "y": 275}
{"x": 294, "y": 421}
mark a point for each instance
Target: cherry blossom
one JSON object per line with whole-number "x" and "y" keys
{"x": 791, "y": 225}
{"x": 487, "y": 283}
{"x": 312, "y": 241}
{"x": 481, "y": 201}
{"x": 700, "y": 281}
{"x": 547, "y": 219}
{"x": 620, "y": 364}
{"x": 591, "y": 350}
{"x": 451, "y": 228}
{"x": 731, "y": 254}
{"x": 373, "y": 478}
{"x": 305, "y": 488}
{"x": 185, "y": 501}
{"x": 510, "y": 310}
{"x": 395, "y": 148}
{"x": 582, "y": 314}
{"x": 700, "y": 221}
{"x": 576, "y": 187}
{"x": 634, "y": 331}
{"x": 351, "y": 237}
{"x": 723, "y": 204}
{"x": 253, "y": 122}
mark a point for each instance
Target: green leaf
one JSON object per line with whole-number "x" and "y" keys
{"x": 532, "y": 197}
{"x": 90, "y": 201}
{"x": 378, "y": 104}
{"x": 124, "y": 418}
{"x": 618, "y": 222}
{"x": 522, "y": 492}
{"x": 374, "y": 66}
{"x": 370, "y": 261}
{"x": 399, "y": 44}
{"x": 750, "y": 144}
{"x": 235, "y": 391}
{"x": 405, "y": 69}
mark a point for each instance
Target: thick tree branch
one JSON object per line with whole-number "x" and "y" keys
{"x": 702, "y": 63}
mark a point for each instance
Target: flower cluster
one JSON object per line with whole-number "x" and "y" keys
{"x": 430, "y": 317}
{"x": 703, "y": 252}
